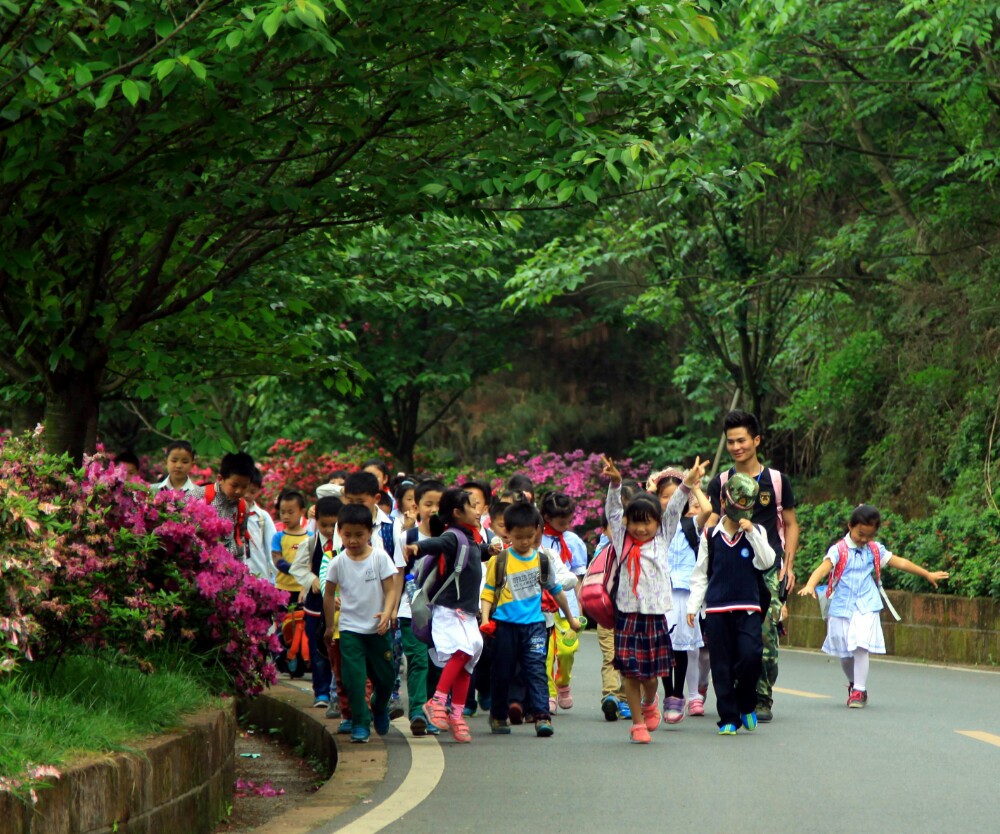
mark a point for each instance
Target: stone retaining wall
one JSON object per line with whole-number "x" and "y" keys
{"x": 934, "y": 627}
{"x": 179, "y": 783}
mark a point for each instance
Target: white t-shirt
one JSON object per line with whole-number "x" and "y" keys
{"x": 361, "y": 596}
{"x": 399, "y": 557}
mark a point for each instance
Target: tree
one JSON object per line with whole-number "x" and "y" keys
{"x": 153, "y": 154}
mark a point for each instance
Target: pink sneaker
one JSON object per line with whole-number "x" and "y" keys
{"x": 437, "y": 713}
{"x": 553, "y": 705}
{"x": 650, "y": 715}
{"x": 673, "y": 709}
{"x": 460, "y": 730}
{"x": 696, "y": 706}
{"x": 565, "y": 698}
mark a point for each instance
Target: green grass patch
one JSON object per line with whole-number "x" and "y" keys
{"x": 50, "y": 713}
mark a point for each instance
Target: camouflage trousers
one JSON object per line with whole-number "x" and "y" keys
{"x": 769, "y": 632}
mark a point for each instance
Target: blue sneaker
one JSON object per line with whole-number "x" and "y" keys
{"x": 321, "y": 702}
{"x": 623, "y": 710}
{"x": 727, "y": 730}
{"x": 609, "y": 706}
{"x": 381, "y": 721}
{"x": 749, "y": 721}
{"x": 360, "y": 735}
{"x": 432, "y": 730}
{"x": 485, "y": 703}
{"x": 345, "y": 727}
{"x": 469, "y": 710}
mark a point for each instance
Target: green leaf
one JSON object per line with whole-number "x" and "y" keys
{"x": 83, "y": 75}
{"x": 164, "y": 27}
{"x": 130, "y": 91}
{"x": 234, "y": 38}
{"x": 273, "y": 22}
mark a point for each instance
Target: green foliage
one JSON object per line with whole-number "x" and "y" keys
{"x": 90, "y": 704}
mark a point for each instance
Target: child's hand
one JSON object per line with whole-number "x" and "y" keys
{"x": 336, "y": 604}
{"x": 496, "y": 545}
{"x": 328, "y": 634}
{"x": 383, "y": 622}
{"x": 575, "y": 624}
{"x": 409, "y": 519}
{"x": 937, "y": 576}
{"x": 302, "y": 596}
{"x": 610, "y": 471}
{"x": 808, "y": 591}
{"x": 690, "y": 619}
{"x": 693, "y": 476}
{"x": 315, "y": 585}
{"x": 412, "y": 550}
{"x": 746, "y": 525}
{"x": 312, "y": 512}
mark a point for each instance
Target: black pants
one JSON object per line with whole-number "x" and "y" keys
{"x": 736, "y": 658}
{"x": 526, "y": 644}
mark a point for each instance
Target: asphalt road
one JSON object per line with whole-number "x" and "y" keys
{"x": 900, "y": 765}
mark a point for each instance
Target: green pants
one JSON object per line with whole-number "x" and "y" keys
{"x": 416, "y": 669}
{"x": 769, "y": 633}
{"x": 366, "y": 656}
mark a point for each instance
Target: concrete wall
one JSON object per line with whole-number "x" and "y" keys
{"x": 180, "y": 783}
{"x": 934, "y": 627}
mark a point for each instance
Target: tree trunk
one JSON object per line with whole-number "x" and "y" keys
{"x": 72, "y": 406}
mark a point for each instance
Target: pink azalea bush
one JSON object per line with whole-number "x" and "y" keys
{"x": 96, "y": 561}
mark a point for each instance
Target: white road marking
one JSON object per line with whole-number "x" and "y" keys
{"x": 426, "y": 770}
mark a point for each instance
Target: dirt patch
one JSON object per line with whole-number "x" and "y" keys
{"x": 271, "y": 778}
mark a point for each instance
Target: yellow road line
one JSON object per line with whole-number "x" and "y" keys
{"x": 799, "y": 693}
{"x": 989, "y": 738}
{"x": 426, "y": 770}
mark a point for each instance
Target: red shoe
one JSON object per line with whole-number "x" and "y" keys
{"x": 650, "y": 715}
{"x": 460, "y": 730}
{"x": 436, "y": 713}
{"x": 515, "y": 712}
{"x": 857, "y": 699}
{"x": 639, "y": 734}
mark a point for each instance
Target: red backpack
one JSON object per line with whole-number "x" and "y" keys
{"x": 600, "y": 586}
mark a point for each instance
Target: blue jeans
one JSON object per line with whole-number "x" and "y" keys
{"x": 525, "y": 644}
{"x": 322, "y": 675}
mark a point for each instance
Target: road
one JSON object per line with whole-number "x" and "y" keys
{"x": 902, "y": 764}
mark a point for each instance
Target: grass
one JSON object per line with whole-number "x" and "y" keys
{"x": 51, "y": 713}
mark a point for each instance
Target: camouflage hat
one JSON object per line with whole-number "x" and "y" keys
{"x": 740, "y": 495}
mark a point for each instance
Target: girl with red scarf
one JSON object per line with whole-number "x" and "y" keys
{"x": 641, "y": 533}
{"x": 454, "y": 627}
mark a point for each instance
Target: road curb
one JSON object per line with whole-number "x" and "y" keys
{"x": 358, "y": 769}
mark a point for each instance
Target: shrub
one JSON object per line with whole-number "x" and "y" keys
{"x": 100, "y": 562}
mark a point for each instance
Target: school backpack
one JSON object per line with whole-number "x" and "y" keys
{"x": 431, "y": 583}
{"x": 838, "y": 572}
{"x": 776, "y": 484}
{"x": 241, "y": 516}
{"x": 600, "y": 586}
{"x": 500, "y": 577}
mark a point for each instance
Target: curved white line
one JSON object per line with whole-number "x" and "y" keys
{"x": 426, "y": 770}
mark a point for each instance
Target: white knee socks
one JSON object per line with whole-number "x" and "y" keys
{"x": 860, "y": 669}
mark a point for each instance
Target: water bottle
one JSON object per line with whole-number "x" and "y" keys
{"x": 410, "y": 586}
{"x": 570, "y": 637}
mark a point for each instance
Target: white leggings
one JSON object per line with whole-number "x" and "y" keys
{"x": 856, "y": 669}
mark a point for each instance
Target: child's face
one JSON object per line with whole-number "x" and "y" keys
{"x": 466, "y": 515}
{"x": 478, "y": 501}
{"x": 290, "y": 513}
{"x": 378, "y": 473}
{"x": 339, "y": 481}
{"x": 179, "y": 463}
{"x": 131, "y": 472}
{"x": 326, "y": 525}
{"x": 642, "y": 531}
{"x": 523, "y": 539}
{"x": 863, "y": 533}
{"x": 234, "y": 487}
{"x": 356, "y": 538}
{"x": 498, "y": 527}
{"x": 741, "y": 445}
{"x": 361, "y": 498}
{"x": 407, "y": 502}
{"x": 666, "y": 492}
{"x": 251, "y": 493}
{"x": 560, "y": 523}
{"x": 429, "y": 503}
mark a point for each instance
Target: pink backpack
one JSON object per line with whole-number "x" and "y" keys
{"x": 599, "y": 587}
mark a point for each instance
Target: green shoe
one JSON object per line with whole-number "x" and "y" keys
{"x": 727, "y": 730}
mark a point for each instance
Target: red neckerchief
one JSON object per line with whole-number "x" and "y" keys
{"x": 473, "y": 531}
{"x": 564, "y": 552}
{"x": 633, "y": 561}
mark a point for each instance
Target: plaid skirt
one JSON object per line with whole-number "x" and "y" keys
{"x": 642, "y": 645}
